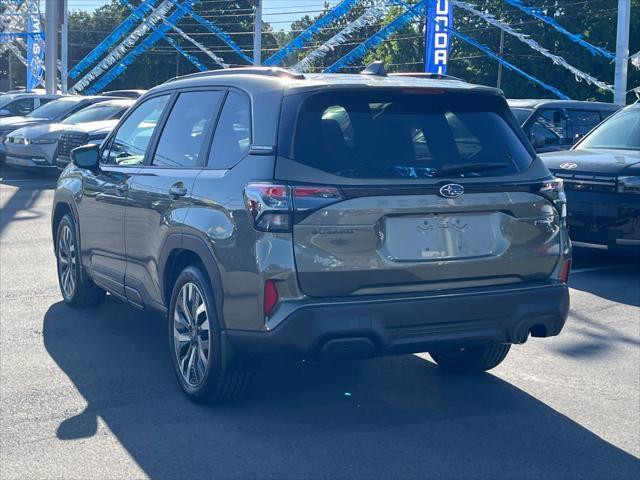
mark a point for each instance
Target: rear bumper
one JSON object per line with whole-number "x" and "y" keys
{"x": 408, "y": 324}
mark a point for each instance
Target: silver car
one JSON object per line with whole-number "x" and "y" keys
{"x": 36, "y": 146}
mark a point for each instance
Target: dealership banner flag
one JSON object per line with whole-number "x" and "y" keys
{"x": 438, "y": 40}
{"x": 35, "y": 47}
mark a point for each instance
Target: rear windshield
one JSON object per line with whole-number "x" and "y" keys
{"x": 402, "y": 135}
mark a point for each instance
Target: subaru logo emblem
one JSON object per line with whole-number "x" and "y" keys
{"x": 451, "y": 190}
{"x": 569, "y": 165}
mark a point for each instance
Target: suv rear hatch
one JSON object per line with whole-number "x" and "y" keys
{"x": 400, "y": 191}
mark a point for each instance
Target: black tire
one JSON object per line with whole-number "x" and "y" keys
{"x": 474, "y": 359}
{"x": 218, "y": 380}
{"x": 81, "y": 292}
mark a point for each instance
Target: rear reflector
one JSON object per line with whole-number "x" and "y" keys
{"x": 270, "y": 297}
{"x": 565, "y": 271}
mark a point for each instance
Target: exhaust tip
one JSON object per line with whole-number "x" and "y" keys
{"x": 345, "y": 348}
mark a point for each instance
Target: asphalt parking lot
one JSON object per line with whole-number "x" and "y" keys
{"x": 91, "y": 394}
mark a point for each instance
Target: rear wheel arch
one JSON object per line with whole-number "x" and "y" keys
{"x": 181, "y": 251}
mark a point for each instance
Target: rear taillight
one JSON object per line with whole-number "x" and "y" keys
{"x": 565, "y": 270}
{"x": 553, "y": 190}
{"x": 274, "y": 207}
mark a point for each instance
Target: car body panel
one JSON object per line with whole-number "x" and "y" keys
{"x": 103, "y": 195}
{"x": 130, "y": 235}
{"x": 152, "y": 208}
{"x": 412, "y": 243}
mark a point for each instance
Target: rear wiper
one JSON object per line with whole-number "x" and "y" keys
{"x": 472, "y": 167}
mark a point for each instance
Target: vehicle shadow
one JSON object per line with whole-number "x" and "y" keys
{"x": 620, "y": 283}
{"x": 390, "y": 417}
{"x": 19, "y": 206}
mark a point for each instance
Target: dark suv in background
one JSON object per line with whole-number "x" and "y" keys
{"x": 263, "y": 212}
{"x": 553, "y": 125}
{"x": 602, "y": 177}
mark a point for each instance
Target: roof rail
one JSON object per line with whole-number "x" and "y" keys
{"x": 436, "y": 76}
{"x": 267, "y": 71}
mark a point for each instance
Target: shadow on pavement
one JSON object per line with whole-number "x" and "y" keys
{"x": 620, "y": 283}
{"x": 390, "y": 417}
{"x": 19, "y": 206}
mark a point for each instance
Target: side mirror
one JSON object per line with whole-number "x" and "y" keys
{"x": 87, "y": 156}
{"x": 4, "y": 112}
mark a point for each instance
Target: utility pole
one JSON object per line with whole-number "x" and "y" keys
{"x": 499, "y": 82}
{"x": 10, "y": 73}
{"x": 257, "y": 34}
{"x": 622, "y": 52}
{"x": 51, "y": 48}
{"x": 64, "y": 56}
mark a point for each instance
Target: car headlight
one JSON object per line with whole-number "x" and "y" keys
{"x": 629, "y": 184}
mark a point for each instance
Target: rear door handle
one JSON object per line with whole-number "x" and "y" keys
{"x": 177, "y": 191}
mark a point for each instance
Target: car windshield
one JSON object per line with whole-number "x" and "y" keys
{"x": 521, "y": 114}
{"x": 619, "y": 132}
{"x": 96, "y": 113}
{"x": 55, "y": 109}
{"x": 407, "y": 134}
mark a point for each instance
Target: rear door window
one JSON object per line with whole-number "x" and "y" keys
{"x": 412, "y": 135}
{"x": 188, "y": 126}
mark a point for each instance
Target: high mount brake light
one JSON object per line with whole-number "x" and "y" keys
{"x": 553, "y": 190}
{"x": 273, "y": 206}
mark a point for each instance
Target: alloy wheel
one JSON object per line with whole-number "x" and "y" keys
{"x": 191, "y": 334}
{"x": 67, "y": 259}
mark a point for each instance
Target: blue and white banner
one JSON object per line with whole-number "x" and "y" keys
{"x": 35, "y": 47}
{"x": 438, "y": 42}
{"x": 556, "y": 59}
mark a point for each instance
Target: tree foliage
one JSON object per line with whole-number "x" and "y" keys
{"x": 594, "y": 19}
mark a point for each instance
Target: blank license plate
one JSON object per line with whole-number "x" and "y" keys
{"x": 443, "y": 237}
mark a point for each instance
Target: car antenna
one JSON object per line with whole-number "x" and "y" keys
{"x": 376, "y": 68}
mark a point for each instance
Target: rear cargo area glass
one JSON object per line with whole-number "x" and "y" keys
{"x": 406, "y": 134}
